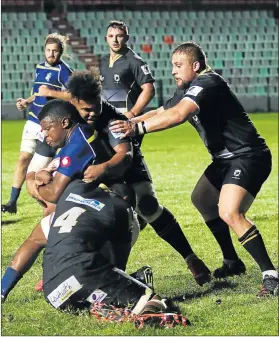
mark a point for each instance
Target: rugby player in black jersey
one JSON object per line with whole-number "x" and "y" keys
{"x": 100, "y": 113}
{"x": 126, "y": 79}
{"x": 241, "y": 160}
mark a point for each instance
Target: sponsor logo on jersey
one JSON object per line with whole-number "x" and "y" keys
{"x": 97, "y": 296}
{"x": 48, "y": 76}
{"x": 101, "y": 78}
{"x": 194, "y": 91}
{"x": 65, "y": 161}
{"x": 93, "y": 203}
{"x": 145, "y": 69}
{"x": 66, "y": 289}
{"x": 116, "y": 78}
{"x": 236, "y": 174}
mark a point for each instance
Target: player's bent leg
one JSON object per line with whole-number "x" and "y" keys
{"x": 205, "y": 197}
{"x": 234, "y": 202}
{"x": 24, "y": 258}
{"x": 167, "y": 227}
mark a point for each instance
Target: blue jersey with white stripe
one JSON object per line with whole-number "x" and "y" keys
{"x": 55, "y": 77}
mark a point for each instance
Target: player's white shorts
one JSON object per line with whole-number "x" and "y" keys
{"x": 31, "y": 132}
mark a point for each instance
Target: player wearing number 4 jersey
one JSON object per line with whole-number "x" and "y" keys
{"x": 241, "y": 160}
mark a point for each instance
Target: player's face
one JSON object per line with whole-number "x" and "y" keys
{"x": 182, "y": 70}
{"x": 54, "y": 131}
{"x": 116, "y": 39}
{"x": 90, "y": 112}
{"x": 52, "y": 53}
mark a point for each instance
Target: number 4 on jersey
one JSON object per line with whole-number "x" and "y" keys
{"x": 68, "y": 219}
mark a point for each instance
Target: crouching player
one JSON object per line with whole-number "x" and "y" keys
{"x": 88, "y": 240}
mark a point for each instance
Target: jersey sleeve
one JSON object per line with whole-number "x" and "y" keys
{"x": 43, "y": 149}
{"x": 64, "y": 75}
{"x": 141, "y": 71}
{"x": 198, "y": 90}
{"x": 74, "y": 158}
{"x": 114, "y": 137}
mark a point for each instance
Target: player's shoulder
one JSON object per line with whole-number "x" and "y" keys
{"x": 132, "y": 56}
{"x": 65, "y": 66}
{"x": 207, "y": 79}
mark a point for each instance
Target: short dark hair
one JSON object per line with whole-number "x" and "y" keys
{"x": 118, "y": 24}
{"x": 194, "y": 51}
{"x": 85, "y": 85}
{"x": 58, "y": 109}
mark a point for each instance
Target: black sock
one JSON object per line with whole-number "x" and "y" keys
{"x": 167, "y": 227}
{"x": 252, "y": 241}
{"x": 221, "y": 232}
{"x": 15, "y": 194}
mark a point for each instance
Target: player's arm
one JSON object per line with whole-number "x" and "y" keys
{"x": 113, "y": 168}
{"x": 52, "y": 191}
{"x": 148, "y": 92}
{"x": 44, "y": 90}
{"x": 22, "y": 261}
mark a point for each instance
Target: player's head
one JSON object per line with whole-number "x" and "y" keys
{"x": 117, "y": 36}
{"x": 55, "y": 46}
{"x": 57, "y": 119}
{"x": 85, "y": 89}
{"x": 188, "y": 60}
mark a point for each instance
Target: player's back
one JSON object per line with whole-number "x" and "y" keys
{"x": 86, "y": 218}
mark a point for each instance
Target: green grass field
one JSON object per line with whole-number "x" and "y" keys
{"x": 176, "y": 159}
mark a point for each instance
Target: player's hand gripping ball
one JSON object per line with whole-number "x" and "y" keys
{"x": 44, "y": 176}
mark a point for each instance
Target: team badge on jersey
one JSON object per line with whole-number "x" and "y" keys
{"x": 194, "y": 91}
{"x": 65, "y": 161}
{"x": 48, "y": 76}
{"x": 145, "y": 69}
{"x": 116, "y": 78}
{"x": 101, "y": 78}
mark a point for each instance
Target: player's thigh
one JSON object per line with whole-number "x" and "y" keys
{"x": 205, "y": 195}
{"x": 243, "y": 180}
{"x": 30, "y": 135}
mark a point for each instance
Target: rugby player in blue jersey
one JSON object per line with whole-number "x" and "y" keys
{"x": 51, "y": 77}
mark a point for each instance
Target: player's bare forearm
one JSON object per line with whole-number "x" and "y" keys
{"x": 118, "y": 164}
{"x": 52, "y": 191}
{"x": 144, "y": 98}
{"x": 148, "y": 115}
{"x": 65, "y": 95}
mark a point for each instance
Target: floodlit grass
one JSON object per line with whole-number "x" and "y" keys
{"x": 176, "y": 159}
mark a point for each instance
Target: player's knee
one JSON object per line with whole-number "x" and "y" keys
{"x": 230, "y": 216}
{"x": 149, "y": 207}
{"x": 24, "y": 158}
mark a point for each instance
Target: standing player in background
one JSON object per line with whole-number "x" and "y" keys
{"x": 241, "y": 159}
{"x": 126, "y": 79}
{"x": 50, "y": 81}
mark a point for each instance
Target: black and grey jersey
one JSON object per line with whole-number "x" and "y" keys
{"x": 86, "y": 218}
{"x": 221, "y": 121}
{"x": 123, "y": 78}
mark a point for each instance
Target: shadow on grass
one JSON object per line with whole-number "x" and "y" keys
{"x": 216, "y": 285}
{"x": 10, "y": 222}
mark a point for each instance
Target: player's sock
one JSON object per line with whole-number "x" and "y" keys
{"x": 252, "y": 241}
{"x": 15, "y": 194}
{"x": 9, "y": 280}
{"x": 167, "y": 227}
{"x": 221, "y": 232}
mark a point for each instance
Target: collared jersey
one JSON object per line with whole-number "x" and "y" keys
{"x": 221, "y": 121}
{"x": 55, "y": 77}
{"x": 122, "y": 79}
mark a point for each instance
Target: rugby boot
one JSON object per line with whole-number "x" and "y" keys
{"x": 144, "y": 275}
{"x": 10, "y": 207}
{"x": 270, "y": 287}
{"x": 234, "y": 268}
{"x": 199, "y": 270}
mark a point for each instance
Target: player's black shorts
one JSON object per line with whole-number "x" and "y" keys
{"x": 249, "y": 171}
{"x": 78, "y": 287}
